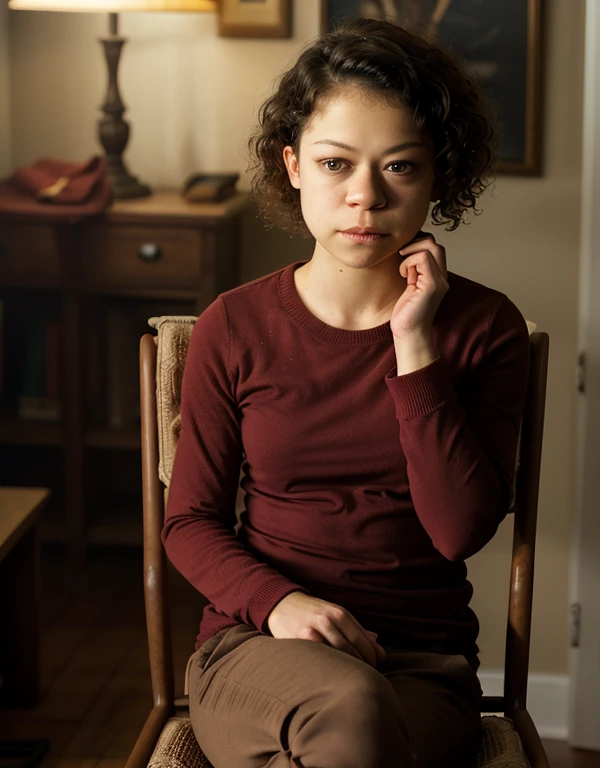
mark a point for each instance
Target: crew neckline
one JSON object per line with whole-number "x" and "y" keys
{"x": 316, "y": 327}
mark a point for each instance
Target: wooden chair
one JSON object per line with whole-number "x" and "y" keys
{"x": 167, "y": 740}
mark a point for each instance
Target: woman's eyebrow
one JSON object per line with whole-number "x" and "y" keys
{"x": 390, "y": 151}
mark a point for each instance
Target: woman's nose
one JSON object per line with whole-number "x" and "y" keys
{"x": 366, "y": 190}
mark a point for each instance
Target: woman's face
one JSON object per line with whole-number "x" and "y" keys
{"x": 365, "y": 174}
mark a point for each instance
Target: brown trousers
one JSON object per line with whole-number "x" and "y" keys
{"x": 259, "y": 702}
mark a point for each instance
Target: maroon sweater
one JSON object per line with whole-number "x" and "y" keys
{"x": 362, "y": 487}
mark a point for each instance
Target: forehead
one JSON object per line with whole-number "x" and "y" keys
{"x": 351, "y": 108}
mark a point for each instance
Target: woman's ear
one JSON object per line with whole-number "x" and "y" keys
{"x": 292, "y": 166}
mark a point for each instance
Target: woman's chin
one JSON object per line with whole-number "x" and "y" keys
{"x": 365, "y": 258}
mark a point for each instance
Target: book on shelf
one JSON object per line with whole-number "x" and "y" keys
{"x": 123, "y": 338}
{"x": 39, "y": 394}
{"x": 95, "y": 368}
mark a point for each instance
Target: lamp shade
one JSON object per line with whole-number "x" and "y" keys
{"x": 113, "y": 6}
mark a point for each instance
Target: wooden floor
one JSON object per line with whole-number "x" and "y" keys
{"x": 95, "y": 677}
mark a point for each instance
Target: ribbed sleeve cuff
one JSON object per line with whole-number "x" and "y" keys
{"x": 266, "y": 598}
{"x": 421, "y": 392}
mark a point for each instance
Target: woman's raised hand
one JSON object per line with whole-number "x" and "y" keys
{"x": 304, "y": 617}
{"x": 424, "y": 269}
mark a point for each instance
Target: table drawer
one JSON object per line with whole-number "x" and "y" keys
{"x": 28, "y": 255}
{"x": 132, "y": 257}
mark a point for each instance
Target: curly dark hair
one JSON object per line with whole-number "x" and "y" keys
{"x": 447, "y": 103}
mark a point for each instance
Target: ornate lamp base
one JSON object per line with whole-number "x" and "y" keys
{"x": 113, "y": 131}
{"x": 124, "y": 185}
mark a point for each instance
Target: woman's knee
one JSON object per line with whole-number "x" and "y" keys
{"x": 366, "y": 696}
{"x": 359, "y": 723}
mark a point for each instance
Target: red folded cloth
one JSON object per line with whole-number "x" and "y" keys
{"x": 57, "y": 189}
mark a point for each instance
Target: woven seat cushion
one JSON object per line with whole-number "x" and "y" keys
{"x": 500, "y": 745}
{"x": 177, "y": 746}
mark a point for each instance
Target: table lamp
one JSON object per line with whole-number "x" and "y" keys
{"x": 113, "y": 131}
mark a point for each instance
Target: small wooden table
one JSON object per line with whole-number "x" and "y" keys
{"x": 155, "y": 255}
{"x": 19, "y": 595}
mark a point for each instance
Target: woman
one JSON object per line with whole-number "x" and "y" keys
{"x": 373, "y": 400}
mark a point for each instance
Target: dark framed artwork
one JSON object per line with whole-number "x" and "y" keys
{"x": 501, "y": 40}
{"x": 255, "y": 18}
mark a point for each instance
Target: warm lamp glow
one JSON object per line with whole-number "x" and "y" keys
{"x": 113, "y": 6}
{"x": 113, "y": 130}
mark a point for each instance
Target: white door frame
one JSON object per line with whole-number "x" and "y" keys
{"x": 584, "y": 709}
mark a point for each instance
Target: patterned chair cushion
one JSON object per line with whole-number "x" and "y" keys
{"x": 177, "y": 746}
{"x": 172, "y": 341}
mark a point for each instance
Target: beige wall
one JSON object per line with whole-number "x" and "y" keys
{"x": 4, "y": 93}
{"x": 526, "y": 243}
{"x": 192, "y": 99}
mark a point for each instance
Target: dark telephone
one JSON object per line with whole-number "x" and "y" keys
{"x": 209, "y": 187}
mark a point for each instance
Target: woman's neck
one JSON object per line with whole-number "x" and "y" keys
{"x": 349, "y": 297}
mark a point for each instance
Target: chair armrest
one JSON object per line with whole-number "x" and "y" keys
{"x": 530, "y": 738}
{"x": 144, "y": 746}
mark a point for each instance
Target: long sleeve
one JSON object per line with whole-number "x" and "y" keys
{"x": 461, "y": 452}
{"x": 199, "y": 534}
{"x": 361, "y": 488}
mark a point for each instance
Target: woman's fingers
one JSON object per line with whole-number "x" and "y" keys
{"x": 341, "y": 630}
{"x": 421, "y": 266}
{"x": 379, "y": 652}
{"x": 424, "y": 260}
{"x": 336, "y": 639}
{"x": 362, "y": 644}
{"x": 421, "y": 270}
{"x": 308, "y": 618}
{"x": 424, "y": 269}
{"x": 412, "y": 274}
{"x": 430, "y": 248}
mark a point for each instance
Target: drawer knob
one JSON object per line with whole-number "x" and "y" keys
{"x": 149, "y": 252}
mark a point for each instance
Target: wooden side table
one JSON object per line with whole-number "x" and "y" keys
{"x": 19, "y": 595}
{"x": 153, "y": 256}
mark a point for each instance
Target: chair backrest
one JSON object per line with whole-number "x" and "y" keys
{"x": 525, "y": 523}
{"x": 162, "y": 359}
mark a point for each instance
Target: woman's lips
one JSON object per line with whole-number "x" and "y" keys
{"x": 362, "y": 235}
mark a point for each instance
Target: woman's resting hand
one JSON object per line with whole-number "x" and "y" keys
{"x": 304, "y": 617}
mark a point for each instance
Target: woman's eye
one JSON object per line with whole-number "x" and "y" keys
{"x": 400, "y": 166}
{"x": 333, "y": 165}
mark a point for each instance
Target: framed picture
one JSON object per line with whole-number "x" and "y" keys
{"x": 255, "y": 18}
{"x": 501, "y": 40}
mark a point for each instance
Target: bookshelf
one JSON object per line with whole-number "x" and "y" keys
{"x": 16, "y": 431}
{"x": 75, "y": 297}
